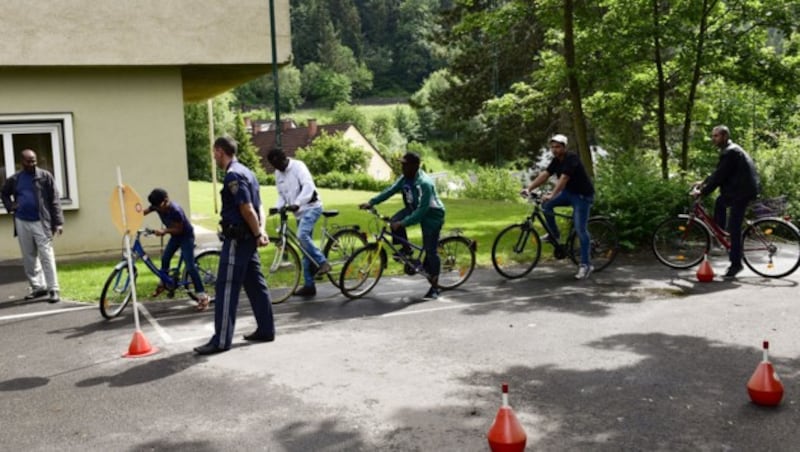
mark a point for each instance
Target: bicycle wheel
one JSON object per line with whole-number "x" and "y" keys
{"x": 117, "y": 291}
{"x": 207, "y": 263}
{"x": 342, "y": 244}
{"x": 603, "y": 244}
{"x": 771, "y": 247}
{"x": 362, "y": 271}
{"x": 516, "y": 250}
{"x": 281, "y": 269}
{"x": 457, "y": 255}
{"x": 680, "y": 242}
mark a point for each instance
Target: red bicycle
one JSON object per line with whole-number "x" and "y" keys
{"x": 770, "y": 243}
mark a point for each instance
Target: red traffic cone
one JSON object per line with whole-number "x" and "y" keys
{"x": 506, "y": 433}
{"x": 705, "y": 273}
{"x": 764, "y": 387}
{"x": 139, "y": 347}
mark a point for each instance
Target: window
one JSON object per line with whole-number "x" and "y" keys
{"x": 50, "y": 135}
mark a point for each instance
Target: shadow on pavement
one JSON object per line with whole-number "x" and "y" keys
{"x": 674, "y": 395}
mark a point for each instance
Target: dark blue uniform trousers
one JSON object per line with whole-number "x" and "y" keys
{"x": 239, "y": 265}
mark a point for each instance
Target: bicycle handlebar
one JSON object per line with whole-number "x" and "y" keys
{"x": 374, "y": 211}
{"x": 283, "y": 209}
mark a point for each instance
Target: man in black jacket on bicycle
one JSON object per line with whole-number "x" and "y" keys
{"x": 738, "y": 184}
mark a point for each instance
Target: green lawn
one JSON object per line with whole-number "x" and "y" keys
{"x": 477, "y": 219}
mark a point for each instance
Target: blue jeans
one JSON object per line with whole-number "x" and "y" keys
{"x": 581, "y": 205}
{"x": 186, "y": 245}
{"x": 305, "y": 232}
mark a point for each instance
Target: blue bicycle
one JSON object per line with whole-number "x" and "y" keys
{"x": 117, "y": 293}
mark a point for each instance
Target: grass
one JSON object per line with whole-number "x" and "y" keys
{"x": 479, "y": 220}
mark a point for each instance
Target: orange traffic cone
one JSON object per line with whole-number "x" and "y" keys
{"x": 506, "y": 433}
{"x": 705, "y": 273}
{"x": 139, "y": 347}
{"x": 764, "y": 387}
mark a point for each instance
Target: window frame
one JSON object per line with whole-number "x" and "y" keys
{"x": 62, "y": 138}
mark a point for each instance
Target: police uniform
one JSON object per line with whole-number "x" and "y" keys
{"x": 239, "y": 261}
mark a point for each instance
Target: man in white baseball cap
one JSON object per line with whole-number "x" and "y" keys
{"x": 574, "y": 188}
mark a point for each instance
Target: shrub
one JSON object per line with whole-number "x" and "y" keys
{"x": 779, "y": 169}
{"x": 350, "y": 181}
{"x": 333, "y": 153}
{"x": 631, "y": 191}
{"x": 491, "y": 183}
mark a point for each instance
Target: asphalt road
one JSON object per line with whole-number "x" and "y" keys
{"x": 639, "y": 357}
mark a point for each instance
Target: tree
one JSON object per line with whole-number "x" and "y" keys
{"x": 247, "y": 152}
{"x": 328, "y": 153}
{"x": 261, "y": 91}
{"x": 198, "y": 146}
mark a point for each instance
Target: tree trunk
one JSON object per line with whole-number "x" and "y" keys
{"x": 698, "y": 61}
{"x": 578, "y": 119}
{"x": 661, "y": 112}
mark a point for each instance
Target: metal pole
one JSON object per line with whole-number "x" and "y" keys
{"x": 211, "y": 148}
{"x": 278, "y": 144}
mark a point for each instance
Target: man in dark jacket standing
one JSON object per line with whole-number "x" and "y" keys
{"x": 738, "y": 184}
{"x": 32, "y": 197}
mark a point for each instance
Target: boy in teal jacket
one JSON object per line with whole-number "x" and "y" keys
{"x": 423, "y": 206}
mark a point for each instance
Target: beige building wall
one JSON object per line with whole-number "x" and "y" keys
{"x": 132, "y": 118}
{"x": 377, "y": 166}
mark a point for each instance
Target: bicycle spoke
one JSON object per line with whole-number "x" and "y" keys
{"x": 457, "y": 261}
{"x": 771, "y": 248}
{"x": 680, "y": 242}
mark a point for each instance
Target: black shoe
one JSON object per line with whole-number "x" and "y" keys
{"x": 323, "y": 269}
{"x": 209, "y": 349}
{"x": 54, "y": 297}
{"x": 433, "y": 293}
{"x": 733, "y": 270}
{"x": 306, "y": 291}
{"x": 257, "y": 336}
{"x": 36, "y": 294}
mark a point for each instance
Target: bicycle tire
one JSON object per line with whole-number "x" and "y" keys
{"x": 681, "y": 242}
{"x": 604, "y": 243}
{"x": 771, "y": 247}
{"x": 342, "y": 244}
{"x": 207, "y": 264}
{"x": 362, "y": 271}
{"x": 516, "y": 250}
{"x": 281, "y": 270}
{"x": 457, "y": 256}
{"x": 117, "y": 291}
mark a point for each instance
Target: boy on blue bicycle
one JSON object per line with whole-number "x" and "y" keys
{"x": 181, "y": 233}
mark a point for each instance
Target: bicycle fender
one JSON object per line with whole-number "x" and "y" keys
{"x": 122, "y": 264}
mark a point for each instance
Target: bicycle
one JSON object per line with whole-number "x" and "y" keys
{"x": 281, "y": 263}
{"x": 364, "y": 268}
{"x": 518, "y": 248}
{"x": 117, "y": 290}
{"x": 770, "y": 244}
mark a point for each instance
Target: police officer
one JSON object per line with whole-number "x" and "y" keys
{"x": 239, "y": 263}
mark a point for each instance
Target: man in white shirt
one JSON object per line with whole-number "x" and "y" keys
{"x": 296, "y": 191}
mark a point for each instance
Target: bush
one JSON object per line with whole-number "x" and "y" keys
{"x": 333, "y": 153}
{"x": 350, "y": 181}
{"x": 493, "y": 184}
{"x": 779, "y": 169}
{"x": 632, "y": 192}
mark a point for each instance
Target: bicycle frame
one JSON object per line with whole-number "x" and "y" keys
{"x": 288, "y": 236}
{"x": 167, "y": 278}
{"x": 699, "y": 212}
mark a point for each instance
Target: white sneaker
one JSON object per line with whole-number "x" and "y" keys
{"x": 584, "y": 271}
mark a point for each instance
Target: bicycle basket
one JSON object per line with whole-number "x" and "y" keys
{"x": 769, "y": 207}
